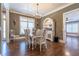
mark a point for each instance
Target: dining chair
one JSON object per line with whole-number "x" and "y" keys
{"x": 33, "y": 37}
{"x": 11, "y": 34}
{"x": 40, "y": 38}
{"x": 33, "y": 31}
{"x": 43, "y": 39}
{"x": 27, "y": 35}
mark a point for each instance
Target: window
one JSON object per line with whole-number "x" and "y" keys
{"x": 4, "y": 25}
{"x": 26, "y": 23}
{"x": 72, "y": 27}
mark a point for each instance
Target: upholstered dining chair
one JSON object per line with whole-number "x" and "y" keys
{"x": 33, "y": 31}
{"x": 43, "y": 40}
{"x": 40, "y": 38}
{"x": 27, "y": 36}
{"x": 11, "y": 34}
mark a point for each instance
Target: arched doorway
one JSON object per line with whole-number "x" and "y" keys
{"x": 48, "y": 25}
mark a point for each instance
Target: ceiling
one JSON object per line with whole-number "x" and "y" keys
{"x": 31, "y": 8}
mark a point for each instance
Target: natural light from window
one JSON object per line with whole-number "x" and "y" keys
{"x": 26, "y": 23}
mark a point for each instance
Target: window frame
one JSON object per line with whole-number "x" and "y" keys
{"x": 27, "y": 18}
{"x": 71, "y": 23}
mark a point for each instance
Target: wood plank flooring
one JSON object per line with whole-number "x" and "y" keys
{"x": 20, "y": 48}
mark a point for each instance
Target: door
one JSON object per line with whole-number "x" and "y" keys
{"x": 5, "y": 21}
{"x": 71, "y": 24}
{"x": 4, "y": 29}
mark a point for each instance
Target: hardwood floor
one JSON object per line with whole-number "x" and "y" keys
{"x": 20, "y": 48}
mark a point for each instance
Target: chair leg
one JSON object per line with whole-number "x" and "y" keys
{"x": 35, "y": 44}
{"x": 32, "y": 43}
{"x": 32, "y": 47}
{"x": 29, "y": 43}
{"x": 40, "y": 47}
{"x": 46, "y": 46}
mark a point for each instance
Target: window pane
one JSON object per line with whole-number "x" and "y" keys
{"x": 26, "y": 23}
{"x": 75, "y": 27}
{"x": 23, "y": 25}
{"x": 31, "y": 20}
{"x": 23, "y": 18}
{"x": 69, "y": 26}
{"x": 72, "y": 27}
{"x": 30, "y": 26}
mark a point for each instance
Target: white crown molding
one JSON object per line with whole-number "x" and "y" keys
{"x": 71, "y": 11}
{"x": 58, "y": 9}
{"x": 29, "y": 15}
{"x": 46, "y": 13}
{"x": 12, "y": 11}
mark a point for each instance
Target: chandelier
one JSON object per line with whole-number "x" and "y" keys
{"x": 37, "y": 15}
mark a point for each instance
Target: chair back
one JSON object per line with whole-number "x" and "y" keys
{"x": 34, "y": 31}
{"x": 39, "y": 32}
{"x": 27, "y": 31}
{"x": 44, "y": 35}
{"x": 11, "y": 33}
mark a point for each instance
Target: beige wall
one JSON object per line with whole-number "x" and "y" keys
{"x": 0, "y": 26}
{"x": 15, "y": 17}
{"x": 58, "y": 18}
{"x": 0, "y": 14}
{"x": 38, "y": 23}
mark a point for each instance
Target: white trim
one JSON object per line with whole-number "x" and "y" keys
{"x": 12, "y": 11}
{"x": 46, "y": 13}
{"x": 64, "y": 34}
{"x": 7, "y": 22}
{"x": 1, "y": 23}
{"x": 58, "y": 9}
{"x": 52, "y": 33}
{"x": 71, "y": 11}
{"x": 64, "y": 21}
{"x": 28, "y": 15}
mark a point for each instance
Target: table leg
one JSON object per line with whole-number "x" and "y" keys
{"x": 32, "y": 43}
